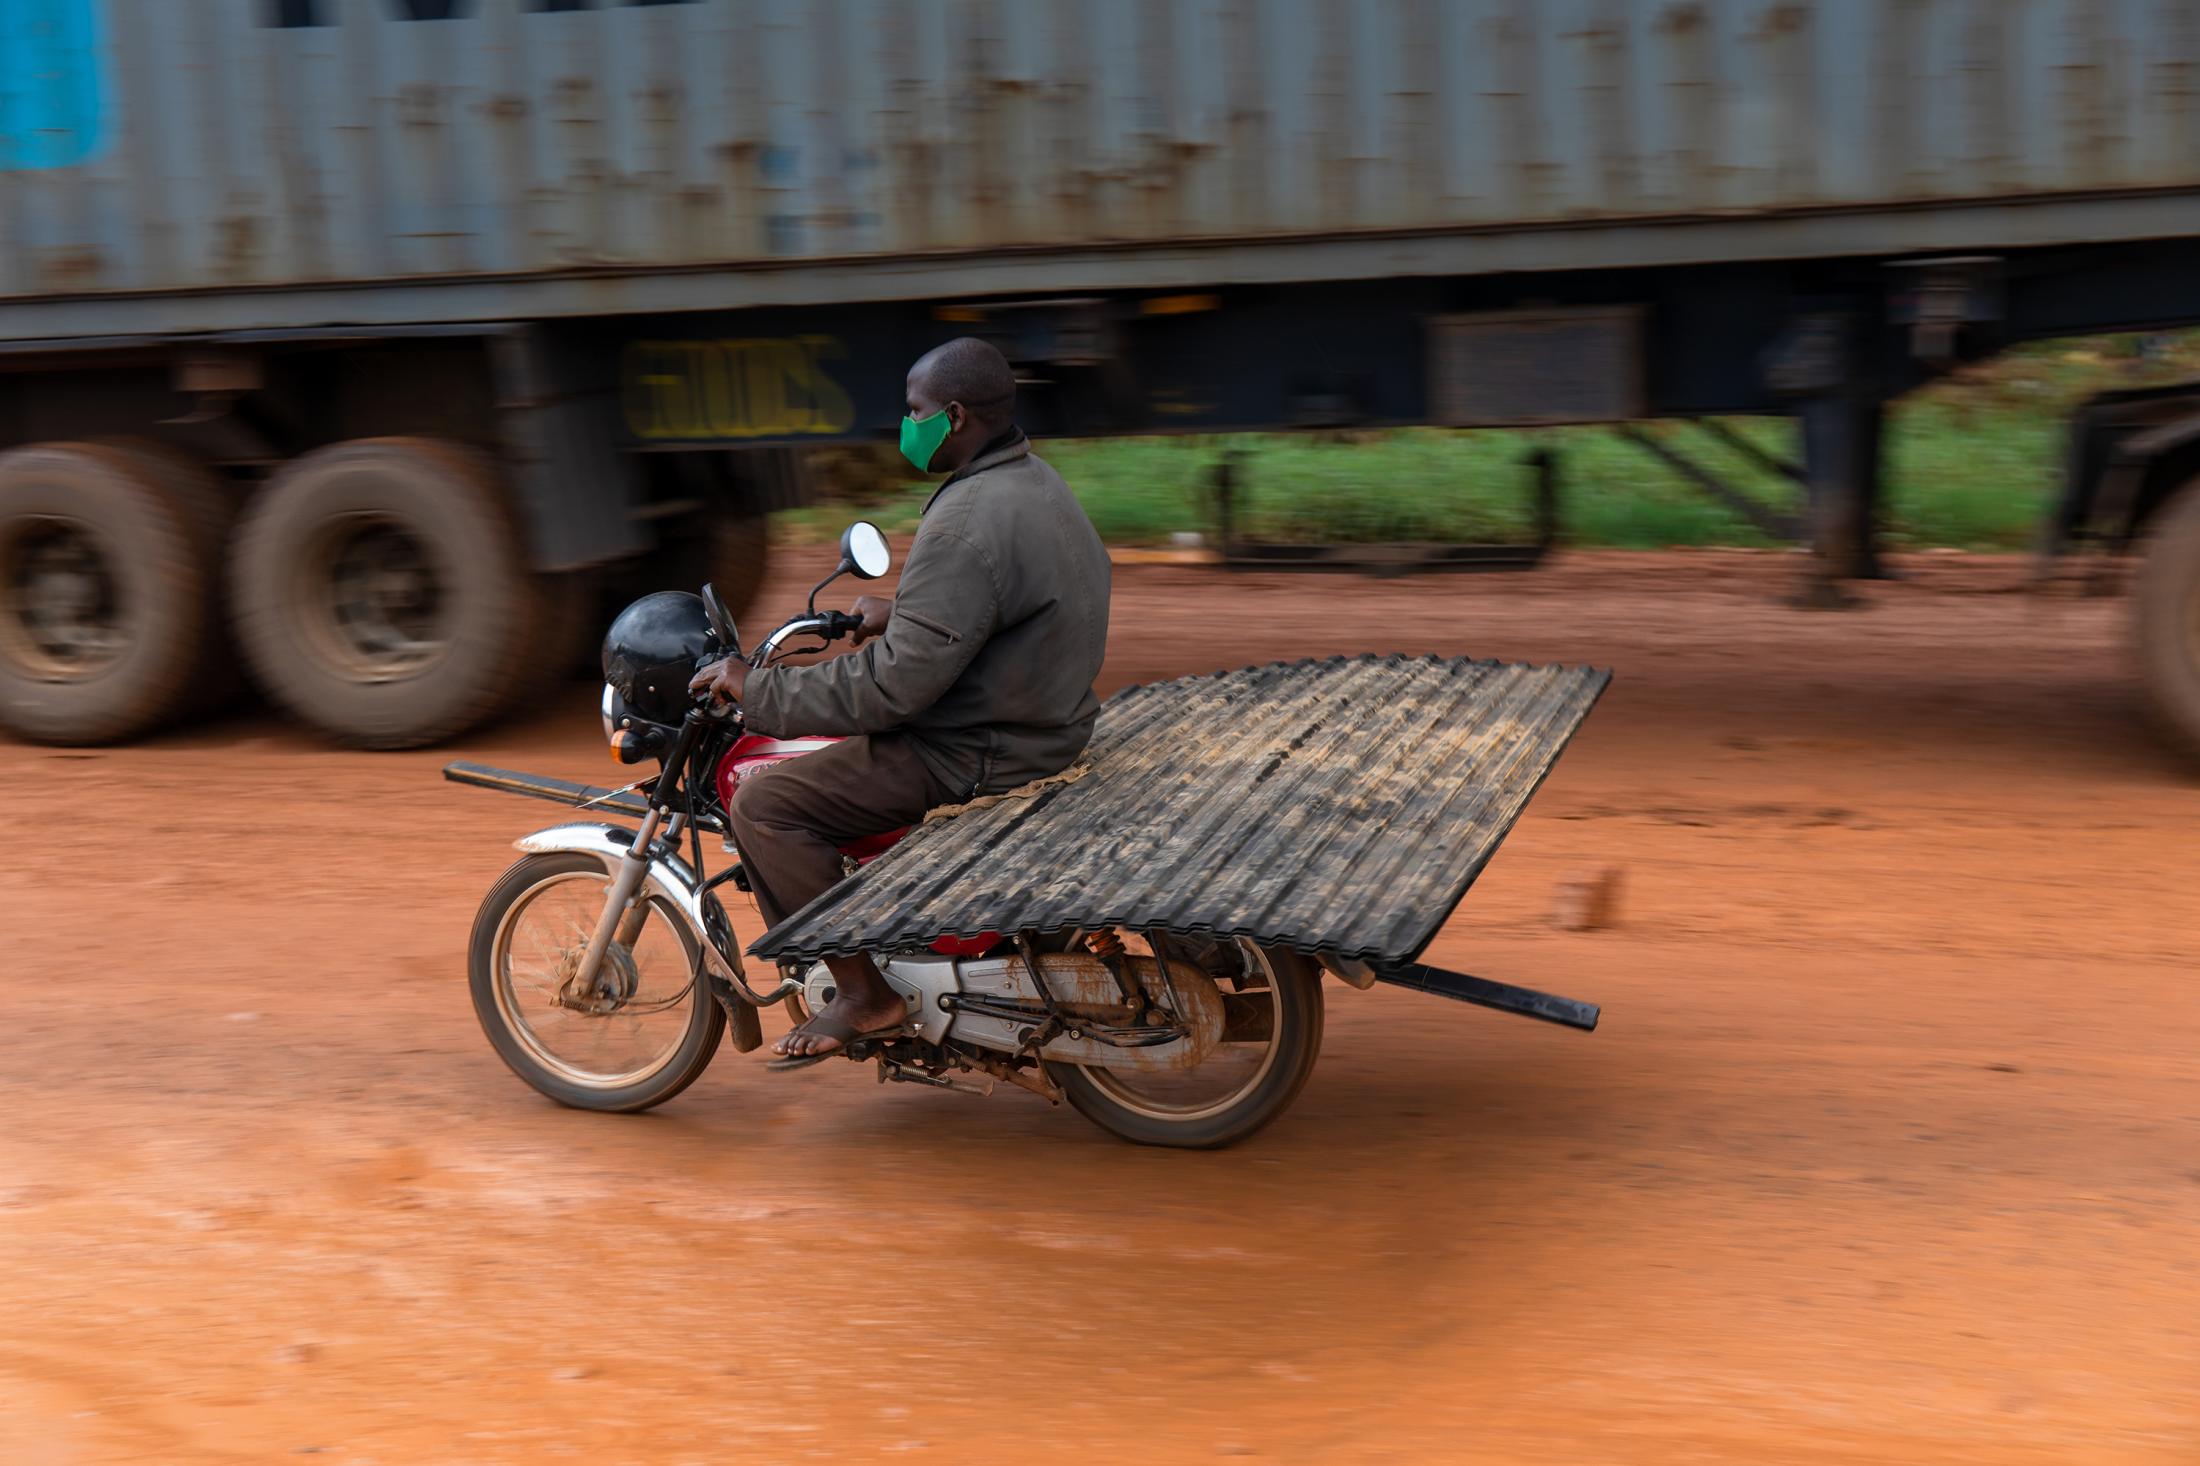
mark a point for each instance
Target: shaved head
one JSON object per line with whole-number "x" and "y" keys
{"x": 971, "y": 372}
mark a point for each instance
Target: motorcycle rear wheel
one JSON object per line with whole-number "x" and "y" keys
{"x": 1175, "y": 1110}
{"x": 537, "y": 916}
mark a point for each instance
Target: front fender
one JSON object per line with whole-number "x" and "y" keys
{"x": 669, "y": 877}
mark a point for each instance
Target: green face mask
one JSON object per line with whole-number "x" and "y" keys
{"x": 921, "y": 438}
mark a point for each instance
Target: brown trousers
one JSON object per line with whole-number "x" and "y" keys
{"x": 790, "y": 820}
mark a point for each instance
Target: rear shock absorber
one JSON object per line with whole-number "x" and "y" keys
{"x": 1107, "y": 944}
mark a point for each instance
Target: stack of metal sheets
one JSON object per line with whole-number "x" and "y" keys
{"x": 1340, "y": 806}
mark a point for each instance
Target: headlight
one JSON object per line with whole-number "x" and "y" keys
{"x": 610, "y": 711}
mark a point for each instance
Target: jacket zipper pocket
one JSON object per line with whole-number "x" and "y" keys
{"x": 939, "y": 629}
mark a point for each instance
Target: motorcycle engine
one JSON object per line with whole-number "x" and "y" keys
{"x": 992, "y": 1004}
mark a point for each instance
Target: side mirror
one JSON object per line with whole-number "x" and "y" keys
{"x": 721, "y": 623}
{"x": 863, "y": 549}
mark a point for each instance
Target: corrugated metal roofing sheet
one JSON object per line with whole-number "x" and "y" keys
{"x": 1341, "y": 805}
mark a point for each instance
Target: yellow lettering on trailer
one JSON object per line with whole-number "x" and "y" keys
{"x": 751, "y": 387}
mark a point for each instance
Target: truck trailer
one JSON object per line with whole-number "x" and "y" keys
{"x": 363, "y": 346}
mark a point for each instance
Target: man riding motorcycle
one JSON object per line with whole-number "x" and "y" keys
{"x": 975, "y": 678}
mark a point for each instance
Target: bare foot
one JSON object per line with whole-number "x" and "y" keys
{"x": 847, "y": 1016}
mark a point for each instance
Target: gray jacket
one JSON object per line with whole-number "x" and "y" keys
{"x": 997, "y": 633}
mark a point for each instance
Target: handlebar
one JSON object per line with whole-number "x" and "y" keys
{"x": 828, "y": 625}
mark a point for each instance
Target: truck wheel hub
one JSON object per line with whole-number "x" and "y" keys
{"x": 61, "y": 615}
{"x": 383, "y": 606}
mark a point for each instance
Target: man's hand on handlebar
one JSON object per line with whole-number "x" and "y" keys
{"x": 874, "y": 612}
{"x": 722, "y": 681}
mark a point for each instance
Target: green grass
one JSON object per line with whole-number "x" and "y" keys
{"x": 1972, "y": 461}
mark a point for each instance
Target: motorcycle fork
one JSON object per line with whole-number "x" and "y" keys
{"x": 623, "y": 913}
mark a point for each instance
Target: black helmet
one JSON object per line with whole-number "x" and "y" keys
{"x": 651, "y": 651}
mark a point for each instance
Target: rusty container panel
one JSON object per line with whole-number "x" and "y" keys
{"x": 189, "y": 144}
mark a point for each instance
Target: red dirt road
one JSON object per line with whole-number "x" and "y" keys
{"x": 1886, "y": 1150}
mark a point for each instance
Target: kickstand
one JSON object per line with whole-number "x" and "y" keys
{"x": 900, "y": 1074}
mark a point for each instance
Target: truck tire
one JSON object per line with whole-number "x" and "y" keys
{"x": 569, "y": 638}
{"x": 740, "y": 547}
{"x": 109, "y": 585}
{"x": 2166, "y": 619}
{"x": 381, "y": 594}
{"x": 211, "y": 507}
{"x": 727, "y": 550}
{"x": 725, "y": 538}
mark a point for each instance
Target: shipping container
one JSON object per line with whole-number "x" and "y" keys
{"x": 941, "y": 146}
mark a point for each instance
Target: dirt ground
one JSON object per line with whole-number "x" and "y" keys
{"x": 1885, "y": 1151}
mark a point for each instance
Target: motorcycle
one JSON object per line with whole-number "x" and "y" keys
{"x": 605, "y": 971}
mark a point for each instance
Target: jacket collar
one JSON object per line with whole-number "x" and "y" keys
{"x": 1007, "y": 448}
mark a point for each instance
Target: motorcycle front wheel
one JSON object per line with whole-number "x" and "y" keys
{"x": 644, "y": 1030}
{"x": 1272, "y": 1000}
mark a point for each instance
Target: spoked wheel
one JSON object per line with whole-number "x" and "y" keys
{"x": 1272, "y": 1006}
{"x": 641, "y": 1032}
